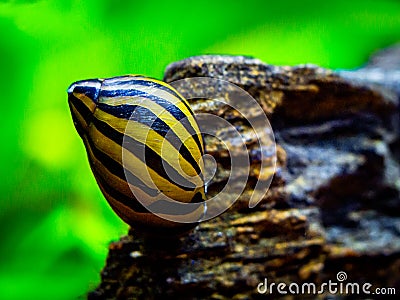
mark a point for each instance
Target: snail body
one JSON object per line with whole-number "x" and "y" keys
{"x": 144, "y": 147}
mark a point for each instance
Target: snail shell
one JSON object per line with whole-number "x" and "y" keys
{"x": 144, "y": 147}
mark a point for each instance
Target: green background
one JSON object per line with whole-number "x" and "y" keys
{"x": 55, "y": 224}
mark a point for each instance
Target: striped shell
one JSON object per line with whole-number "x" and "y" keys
{"x": 144, "y": 147}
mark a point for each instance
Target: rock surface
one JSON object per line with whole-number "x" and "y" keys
{"x": 333, "y": 205}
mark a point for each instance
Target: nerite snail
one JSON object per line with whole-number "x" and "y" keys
{"x": 163, "y": 127}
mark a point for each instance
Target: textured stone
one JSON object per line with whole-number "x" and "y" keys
{"x": 297, "y": 94}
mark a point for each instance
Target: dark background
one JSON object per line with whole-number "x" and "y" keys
{"x": 55, "y": 225}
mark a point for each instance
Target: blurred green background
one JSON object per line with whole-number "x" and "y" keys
{"x": 55, "y": 225}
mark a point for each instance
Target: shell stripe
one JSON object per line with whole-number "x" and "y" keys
{"x": 183, "y": 128}
{"x": 114, "y": 168}
{"x": 166, "y": 207}
{"x": 126, "y": 211}
{"x": 96, "y": 153}
{"x": 77, "y": 119}
{"x": 158, "y": 163}
{"x": 152, "y": 84}
{"x": 147, "y": 175}
{"x": 116, "y": 194}
{"x": 146, "y": 117}
{"x": 122, "y": 96}
{"x": 146, "y": 82}
{"x": 83, "y": 110}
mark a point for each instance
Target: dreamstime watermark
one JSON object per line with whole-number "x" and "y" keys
{"x": 226, "y": 96}
{"x": 338, "y": 287}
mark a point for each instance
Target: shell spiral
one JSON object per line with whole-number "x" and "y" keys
{"x": 144, "y": 148}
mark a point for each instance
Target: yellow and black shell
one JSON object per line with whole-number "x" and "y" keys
{"x": 122, "y": 118}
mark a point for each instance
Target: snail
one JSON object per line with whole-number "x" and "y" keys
{"x": 144, "y": 148}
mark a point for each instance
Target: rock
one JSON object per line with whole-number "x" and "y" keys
{"x": 297, "y": 94}
{"x": 383, "y": 69}
{"x": 333, "y": 206}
